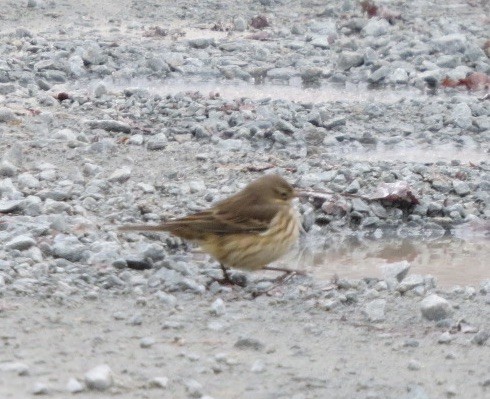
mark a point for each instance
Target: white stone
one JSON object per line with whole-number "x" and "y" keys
{"x": 74, "y": 386}
{"x": 434, "y": 307}
{"x": 99, "y": 378}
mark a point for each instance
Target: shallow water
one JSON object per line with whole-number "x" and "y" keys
{"x": 451, "y": 261}
{"x": 419, "y": 154}
{"x": 288, "y": 90}
{"x": 293, "y": 90}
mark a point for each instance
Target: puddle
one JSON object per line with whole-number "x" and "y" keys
{"x": 451, "y": 261}
{"x": 290, "y": 90}
{"x": 419, "y": 154}
{"x": 294, "y": 91}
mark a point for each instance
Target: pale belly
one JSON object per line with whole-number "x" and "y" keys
{"x": 254, "y": 251}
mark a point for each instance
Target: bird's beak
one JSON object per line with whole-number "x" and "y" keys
{"x": 300, "y": 193}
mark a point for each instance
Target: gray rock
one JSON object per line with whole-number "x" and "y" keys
{"x": 201, "y": 43}
{"x": 155, "y": 63}
{"x": 99, "y": 378}
{"x": 18, "y": 368}
{"x": 328, "y": 304}
{"x": 414, "y": 365}
{"x": 110, "y": 126}
{"x": 7, "y": 88}
{"x": 281, "y": 138}
{"x": 68, "y": 248}
{"x": 334, "y": 122}
{"x": 159, "y": 382}
{"x": 92, "y": 54}
{"x": 448, "y": 61}
{"x": 399, "y": 75}
{"x": 10, "y": 206}
{"x": 461, "y": 188}
{"x": 33, "y": 3}
{"x": 375, "y": 310}
{"x": 379, "y": 74}
{"x": 311, "y": 74}
{"x": 445, "y": 338}
{"x": 482, "y": 123}
{"x": 434, "y": 307}
{"x": 157, "y": 142}
{"x": 21, "y": 242}
{"x": 218, "y": 307}
{"x": 416, "y": 392}
{"x": 249, "y": 343}
{"x": 7, "y": 169}
{"x": 74, "y": 386}
{"x": 485, "y": 287}
{"x": 147, "y": 342}
{"x": 75, "y": 66}
{"x": 120, "y": 175}
{"x": 376, "y": 27}
{"x": 480, "y": 338}
{"x": 409, "y": 283}
{"x": 360, "y": 205}
{"x": 450, "y": 44}
{"x": 6, "y": 115}
{"x": 281, "y": 73}
{"x": 397, "y": 270}
{"x": 321, "y": 42}
{"x": 136, "y": 139}
{"x": 231, "y": 144}
{"x": 370, "y": 56}
{"x": 258, "y": 366}
{"x": 167, "y": 299}
{"x": 194, "y": 388}
{"x": 240, "y": 24}
{"x": 349, "y": 59}
{"x": 28, "y": 180}
{"x": 461, "y": 115}
{"x": 354, "y": 187}
{"x": 40, "y": 389}
{"x": 100, "y": 90}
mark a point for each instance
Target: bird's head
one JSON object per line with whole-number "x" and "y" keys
{"x": 271, "y": 189}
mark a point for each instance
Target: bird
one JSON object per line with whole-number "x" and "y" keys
{"x": 246, "y": 231}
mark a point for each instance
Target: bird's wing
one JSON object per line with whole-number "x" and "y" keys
{"x": 226, "y": 221}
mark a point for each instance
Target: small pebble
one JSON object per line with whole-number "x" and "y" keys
{"x": 74, "y": 386}
{"x": 40, "y": 389}
{"x": 434, "y": 307}
{"x": 99, "y": 378}
{"x": 159, "y": 382}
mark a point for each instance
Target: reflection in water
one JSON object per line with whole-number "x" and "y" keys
{"x": 291, "y": 90}
{"x": 451, "y": 261}
{"x": 424, "y": 154}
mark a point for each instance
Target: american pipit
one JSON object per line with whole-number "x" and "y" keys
{"x": 246, "y": 231}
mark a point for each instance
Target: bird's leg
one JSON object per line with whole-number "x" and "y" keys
{"x": 226, "y": 276}
{"x": 228, "y": 279}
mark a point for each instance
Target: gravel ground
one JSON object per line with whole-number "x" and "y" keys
{"x": 122, "y": 112}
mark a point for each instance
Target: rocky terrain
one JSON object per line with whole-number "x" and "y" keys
{"x": 121, "y": 112}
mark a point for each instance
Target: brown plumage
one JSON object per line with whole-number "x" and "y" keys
{"x": 247, "y": 230}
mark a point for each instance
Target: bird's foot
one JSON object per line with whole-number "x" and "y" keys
{"x": 230, "y": 279}
{"x": 234, "y": 279}
{"x": 275, "y": 283}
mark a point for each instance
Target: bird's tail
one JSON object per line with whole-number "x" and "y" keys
{"x": 182, "y": 229}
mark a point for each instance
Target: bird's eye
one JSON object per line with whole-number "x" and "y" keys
{"x": 284, "y": 195}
